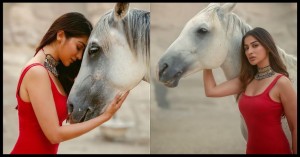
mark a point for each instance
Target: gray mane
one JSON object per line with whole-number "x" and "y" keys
{"x": 234, "y": 21}
{"x": 137, "y": 28}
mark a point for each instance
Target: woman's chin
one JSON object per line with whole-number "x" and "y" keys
{"x": 67, "y": 64}
{"x": 252, "y": 63}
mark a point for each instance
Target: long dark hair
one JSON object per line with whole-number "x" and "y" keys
{"x": 247, "y": 70}
{"x": 73, "y": 24}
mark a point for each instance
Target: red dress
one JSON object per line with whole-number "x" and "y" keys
{"x": 263, "y": 119}
{"x": 31, "y": 138}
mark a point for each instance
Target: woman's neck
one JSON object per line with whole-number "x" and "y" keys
{"x": 50, "y": 49}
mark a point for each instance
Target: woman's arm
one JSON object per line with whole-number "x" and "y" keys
{"x": 230, "y": 87}
{"x": 288, "y": 99}
{"x": 44, "y": 107}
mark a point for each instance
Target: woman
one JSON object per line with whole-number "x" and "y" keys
{"x": 45, "y": 83}
{"x": 265, "y": 94}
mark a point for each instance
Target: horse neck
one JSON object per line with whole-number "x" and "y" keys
{"x": 143, "y": 55}
{"x": 146, "y": 61}
{"x": 290, "y": 62}
{"x": 232, "y": 64}
{"x": 234, "y": 32}
{"x": 230, "y": 69}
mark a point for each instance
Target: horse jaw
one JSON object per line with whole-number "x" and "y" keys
{"x": 124, "y": 70}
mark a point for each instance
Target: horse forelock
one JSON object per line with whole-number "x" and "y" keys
{"x": 210, "y": 13}
{"x": 209, "y": 8}
{"x": 101, "y": 31}
{"x": 230, "y": 21}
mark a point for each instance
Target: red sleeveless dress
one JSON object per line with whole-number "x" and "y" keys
{"x": 31, "y": 138}
{"x": 263, "y": 119}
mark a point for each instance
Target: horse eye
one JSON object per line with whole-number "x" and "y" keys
{"x": 93, "y": 50}
{"x": 202, "y": 30}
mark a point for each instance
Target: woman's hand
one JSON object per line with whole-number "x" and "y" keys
{"x": 114, "y": 106}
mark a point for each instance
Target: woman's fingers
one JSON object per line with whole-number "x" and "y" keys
{"x": 122, "y": 99}
{"x": 124, "y": 96}
{"x": 118, "y": 100}
{"x": 116, "y": 104}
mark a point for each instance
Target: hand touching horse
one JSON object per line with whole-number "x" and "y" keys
{"x": 116, "y": 60}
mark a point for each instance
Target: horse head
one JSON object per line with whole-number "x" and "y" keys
{"x": 202, "y": 44}
{"x": 115, "y": 60}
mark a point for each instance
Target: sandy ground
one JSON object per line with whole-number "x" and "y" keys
{"x": 181, "y": 119}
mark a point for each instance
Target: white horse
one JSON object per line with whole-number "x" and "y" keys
{"x": 115, "y": 60}
{"x": 212, "y": 39}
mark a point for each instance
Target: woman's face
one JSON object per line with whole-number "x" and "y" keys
{"x": 255, "y": 52}
{"x": 72, "y": 49}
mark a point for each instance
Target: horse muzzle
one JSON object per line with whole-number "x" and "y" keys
{"x": 169, "y": 76}
{"x": 80, "y": 114}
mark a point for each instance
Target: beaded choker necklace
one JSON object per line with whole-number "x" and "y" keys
{"x": 264, "y": 72}
{"x": 50, "y": 63}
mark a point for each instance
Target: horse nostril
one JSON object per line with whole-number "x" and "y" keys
{"x": 70, "y": 108}
{"x": 164, "y": 67}
{"x": 91, "y": 108}
{"x": 178, "y": 74}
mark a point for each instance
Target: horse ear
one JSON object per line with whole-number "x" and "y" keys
{"x": 228, "y": 7}
{"x": 224, "y": 9}
{"x": 120, "y": 11}
{"x": 213, "y": 4}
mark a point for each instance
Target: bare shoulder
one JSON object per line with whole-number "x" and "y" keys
{"x": 284, "y": 82}
{"x": 36, "y": 72}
